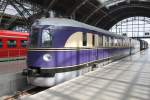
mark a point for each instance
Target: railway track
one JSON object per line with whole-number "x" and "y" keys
{"x": 28, "y": 92}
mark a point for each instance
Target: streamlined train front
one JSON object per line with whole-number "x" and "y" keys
{"x": 39, "y": 55}
{"x": 46, "y": 60}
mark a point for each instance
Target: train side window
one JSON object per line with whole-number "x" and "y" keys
{"x": 128, "y": 42}
{"x": 125, "y": 41}
{"x": 84, "y": 39}
{"x": 24, "y": 43}
{"x": 96, "y": 40}
{"x": 1, "y": 44}
{"x": 100, "y": 41}
{"x": 112, "y": 41}
{"x": 119, "y": 42}
{"x": 107, "y": 41}
{"x": 93, "y": 40}
{"x": 11, "y": 43}
{"x": 122, "y": 42}
{"x": 104, "y": 41}
{"x": 115, "y": 42}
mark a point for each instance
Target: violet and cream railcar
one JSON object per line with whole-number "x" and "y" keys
{"x": 61, "y": 49}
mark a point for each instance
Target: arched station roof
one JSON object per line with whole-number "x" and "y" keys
{"x": 100, "y": 13}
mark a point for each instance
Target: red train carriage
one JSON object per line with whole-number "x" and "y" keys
{"x": 13, "y": 47}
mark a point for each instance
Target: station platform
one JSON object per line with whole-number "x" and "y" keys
{"x": 126, "y": 79}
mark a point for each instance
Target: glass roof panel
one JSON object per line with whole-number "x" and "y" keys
{"x": 133, "y": 26}
{"x": 10, "y": 10}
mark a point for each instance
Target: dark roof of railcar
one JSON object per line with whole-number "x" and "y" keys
{"x": 73, "y": 23}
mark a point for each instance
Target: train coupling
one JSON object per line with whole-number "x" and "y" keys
{"x": 36, "y": 73}
{"x": 30, "y": 72}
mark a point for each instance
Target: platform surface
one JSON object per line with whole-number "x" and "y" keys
{"x": 12, "y": 67}
{"x": 126, "y": 79}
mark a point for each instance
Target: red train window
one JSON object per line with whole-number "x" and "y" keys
{"x": 1, "y": 44}
{"x": 11, "y": 43}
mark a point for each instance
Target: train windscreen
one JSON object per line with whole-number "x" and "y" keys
{"x": 46, "y": 38}
{"x": 34, "y": 38}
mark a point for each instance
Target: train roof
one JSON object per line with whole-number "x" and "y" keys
{"x": 73, "y": 23}
{"x": 13, "y": 33}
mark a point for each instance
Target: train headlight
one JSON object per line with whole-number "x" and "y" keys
{"x": 47, "y": 57}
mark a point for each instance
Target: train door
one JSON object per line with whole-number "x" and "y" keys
{"x": 12, "y": 48}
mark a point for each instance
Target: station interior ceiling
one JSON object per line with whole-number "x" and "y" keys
{"x": 100, "y": 13}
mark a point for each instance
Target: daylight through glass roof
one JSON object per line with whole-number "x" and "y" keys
{"x": 133, "y": 27}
